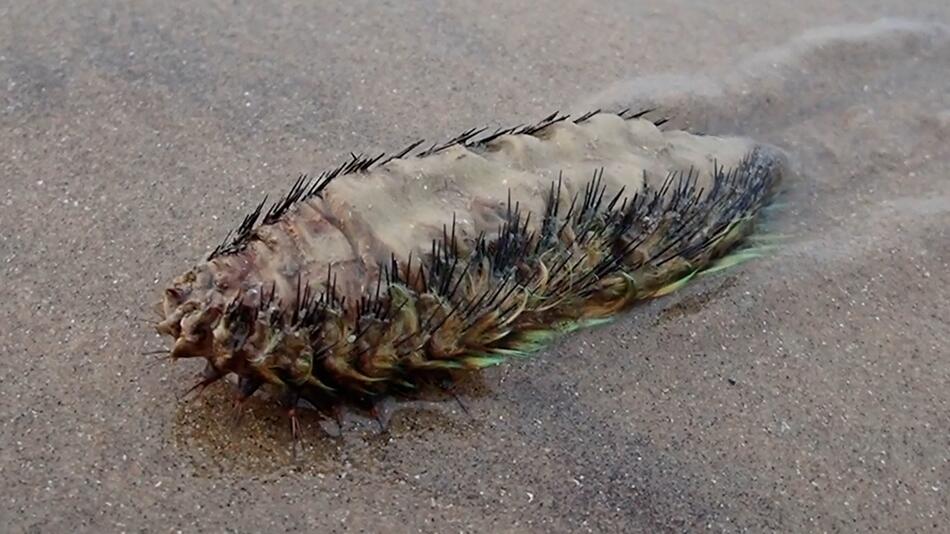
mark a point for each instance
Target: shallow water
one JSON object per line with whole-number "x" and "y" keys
{"x": 806, "y": 391}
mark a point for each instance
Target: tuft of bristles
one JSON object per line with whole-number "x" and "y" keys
{"x": 471, "y": 303}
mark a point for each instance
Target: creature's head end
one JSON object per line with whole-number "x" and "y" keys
{"x": 241, "y": 332}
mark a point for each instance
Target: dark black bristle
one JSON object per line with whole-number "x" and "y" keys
{"x": 243, "y": 233}
{"x": 463, "y": 139}
{"x": 427, "y": 151}
{"x": 583, "y": 118}
{"x": 479, "y": 303}
{"x": 544, "y": 123}
{"x": 280, "y": 207}
{"x": 498, "y": 133}
{"x": 637, "y": 115}
{"x": 401, "y": 154}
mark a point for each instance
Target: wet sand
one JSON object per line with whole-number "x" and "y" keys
{"x": 806, "y": 391}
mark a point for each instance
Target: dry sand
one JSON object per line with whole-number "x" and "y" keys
{"x": 809, "y": 391}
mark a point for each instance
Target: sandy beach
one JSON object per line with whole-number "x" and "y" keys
{"x": 807, "y": 391}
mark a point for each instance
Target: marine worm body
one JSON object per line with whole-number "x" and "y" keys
{"x": 369, "y": 279}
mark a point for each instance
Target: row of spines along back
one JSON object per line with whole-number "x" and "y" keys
{"x": 306, "y": 187}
